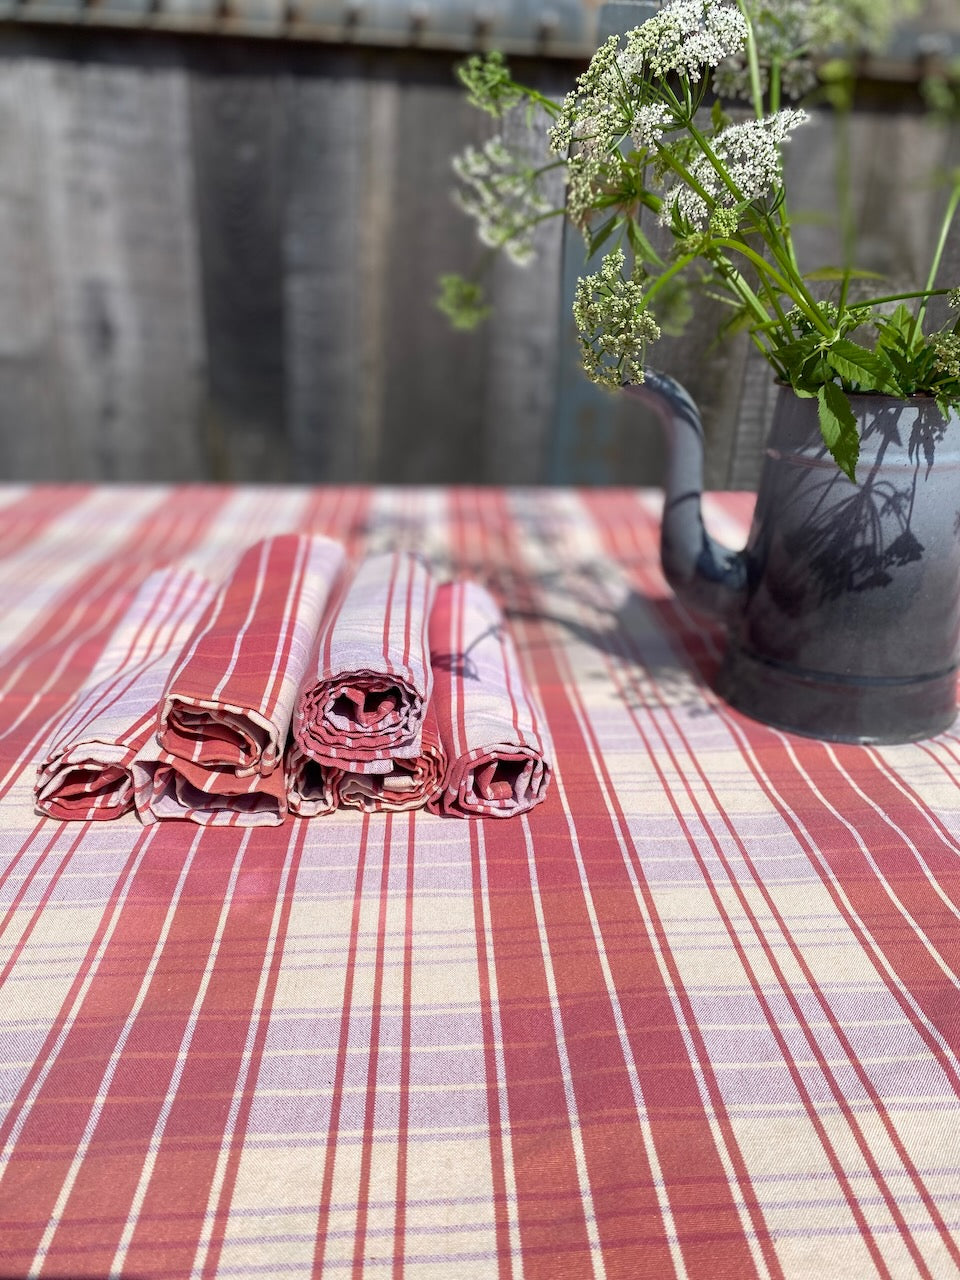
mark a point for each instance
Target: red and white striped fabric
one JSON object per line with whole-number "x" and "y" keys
{"x": 493, "y": 733}
{"x": 410, "y": 784}
{"x": 694, "y": 1016}
{"x": 166, "y": 787}
{"x": 85, "y": 773}
{"x": 311, "y": 787}
{"x": 230, "y": 700}
{"x": 363, "y": 704}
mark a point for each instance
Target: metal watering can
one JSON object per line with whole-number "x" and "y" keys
{"x": 843, "y": 608}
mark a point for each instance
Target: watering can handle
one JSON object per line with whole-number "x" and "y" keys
{"x": 704, "y": 574}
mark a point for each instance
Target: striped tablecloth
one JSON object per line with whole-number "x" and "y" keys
{"x": 697, "y": 1015}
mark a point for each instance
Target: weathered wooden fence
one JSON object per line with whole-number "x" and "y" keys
{"x": 218, "y": 261}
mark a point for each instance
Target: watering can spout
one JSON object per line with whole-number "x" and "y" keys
{"x": 705, "y": 575}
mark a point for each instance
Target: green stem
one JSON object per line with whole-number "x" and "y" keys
{"x": 775, "y": 70}
{"x": 848, "y": 233}
{"x": 753, "y": 62}
{"x": 670, "y": 272}
{"x": 904, "y": 297}
{"x": 800, "y": 297}
{"x": 714, "y": 159}
{"x": 554, "y": 164}
{"x": 945, "y": 226}
{"x": 681, "y": 170}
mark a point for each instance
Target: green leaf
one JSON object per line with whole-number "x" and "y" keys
{"x": 641, "y": 246}
{"x": 895, "y": 329}
{"x": 856, "y": 364}
{"x": 842, "y": 273}
{"x": 838, "y": 427}
{"x": 718, "y": 117}
{"x": 603, "y": 233}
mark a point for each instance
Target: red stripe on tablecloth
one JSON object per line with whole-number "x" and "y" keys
{"x": 757, "y": 986}
{"x": 550, "y": 1207}
{"x": 192, "y": 1136}
{"x": 406, "y": 1025}
{"x": 487, "y": 907}
{"x": 49, "y": 1047}
{"x": 817, "y": 829}
{"x": 373, "y": 1058}
{"x": 710, "y": 1235}
{"x": 112, "y": 689}
{"x": 22, "y": 851}
{"x": 55, "y": 1123}
{"x": 222, "y": 1211}
{"x": 481, "y": 911}
{"x": 21, "y": 893}
{"x": 761, "y": 737}
{"x": 891, "y": 848}
{"x": 62, "y": 651}
{"x": 118, "y": 1146}
{"x": 411, "y": 576}
{"x": 181, "y": 1180}
{"x": 181, "y": 1184}
{"x": 290, "y": 612}
{"x": 28, "y": 517}
{"x": 388, "y": 613}
{"x": 336, "y": 1098}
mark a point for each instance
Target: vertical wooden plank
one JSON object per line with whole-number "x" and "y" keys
{"x": 434, "y": 385}
{"x": 115, "y": 308}
{"x": 523, "y": 353}
{"x": 33, "y": 426}
{"x": 321, "y": 265}
{"x": 238, "y": 137}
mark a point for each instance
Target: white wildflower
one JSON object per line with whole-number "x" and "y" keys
{"x": 649, "y": 124}
{"x": 791, "y": 33}
{"x": 499, "y": 192}
{"x": 750, "y": 154}
{"x": 613, "y": 324}
{"x": 685, "y": 37}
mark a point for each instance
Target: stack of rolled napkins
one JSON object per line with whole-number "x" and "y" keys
{"x": 300, "y": 687}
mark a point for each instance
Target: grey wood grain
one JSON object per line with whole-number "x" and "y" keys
{"x": 218, "y": 259}
{"x": 321, "y": 263}
{"x": 521, "y": 368}
{"x": 238, "y": 144}
{"x": 433, "y": 385}
{"x": 33, "y": 437}
{"x": 109, "y": 348}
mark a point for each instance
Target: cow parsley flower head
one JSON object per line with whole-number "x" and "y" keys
{"x": 791, "y": 33}
{"x": 613, "y": 324}
{"x": 685, "y": 37}
{"x": 946, "y": 347}
{"x": 649, "y": 124}
{"x": 499, "y": 192}
{"x": 750, "y": 154}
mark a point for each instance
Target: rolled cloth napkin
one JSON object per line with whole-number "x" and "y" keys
{"x": 229, "y": 701}
{"x": 166, "y": 787}
{"x": 311, "y": 787}
{"x": 86, "y": 772}
{"x": 491, "y": 729}
{"x": 362, "y": 705}
{"x": 410, "y": 784}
